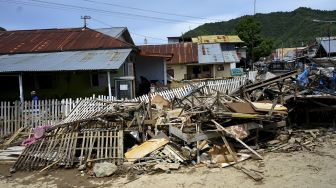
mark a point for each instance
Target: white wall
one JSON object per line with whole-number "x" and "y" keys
{"x": 179, "y": 70}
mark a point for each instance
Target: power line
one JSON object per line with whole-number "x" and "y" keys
{"x": 72, "y": 8}
{"x": 153, "y": 18}
{"x": 148, "y": 10}
{"x": 102, "y": 22}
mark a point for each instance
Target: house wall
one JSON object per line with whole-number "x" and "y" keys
{"x": 151, "y": 68}
{"x": 179, "y": 70}
{"x": 56, "y": 85}
{"x": 222, "y": 73}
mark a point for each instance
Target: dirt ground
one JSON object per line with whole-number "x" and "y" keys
{"x": 296, "y": 169}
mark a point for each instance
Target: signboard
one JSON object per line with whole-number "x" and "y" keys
{"x": 123, "y": 87}
{"x": 237, "y": 72}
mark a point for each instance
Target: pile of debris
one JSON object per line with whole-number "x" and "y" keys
{"x": 200, "y": 127}
{"x": 204, "y": 128}
{"x": 297, "y": 140}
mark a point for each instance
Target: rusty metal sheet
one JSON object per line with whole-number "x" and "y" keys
{"x": 242, "y": 107}
{"x": 217, "y": 39}
{"x": 182, "y": 52}
{"x": 53, "y": 40}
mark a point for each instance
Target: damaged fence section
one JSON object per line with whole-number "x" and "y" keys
{"x": 14, "y": 115}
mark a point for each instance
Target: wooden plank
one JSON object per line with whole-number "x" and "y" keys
{"x": 145, "y": 148}
{"x": 10, "y": 140}
{"x": 230, "y": 149}
{"x": 227, "y": 132}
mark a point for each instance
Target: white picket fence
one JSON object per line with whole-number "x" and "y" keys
{"x": 14, "y": 115}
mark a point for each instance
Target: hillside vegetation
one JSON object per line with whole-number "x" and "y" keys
{"x": 287, "y": 29}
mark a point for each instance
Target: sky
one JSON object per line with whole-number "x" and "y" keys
{"x": 154, "y": 20}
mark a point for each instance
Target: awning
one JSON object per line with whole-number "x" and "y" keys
{"x": 64, "y": 61}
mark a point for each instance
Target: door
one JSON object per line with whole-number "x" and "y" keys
{"x": 124, "y": 89}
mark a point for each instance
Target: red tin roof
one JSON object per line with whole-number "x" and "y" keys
{"x": 182, "y": 52}
{"x": 55, "y": 40}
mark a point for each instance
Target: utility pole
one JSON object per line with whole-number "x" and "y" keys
{"x": 85, "y": 18}
{"x": 254, "y": 7}
{"x": 328, "y": 22}
{"x": 254, "y": 12}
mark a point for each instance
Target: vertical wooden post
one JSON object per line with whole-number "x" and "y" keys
{"x": 214, "y": 70}
{"x": 109, "y": 84}
{"x": 165, "y": 72}
{"x": 21, "y": 88}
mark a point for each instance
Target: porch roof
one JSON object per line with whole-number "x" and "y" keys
{"x": 64, "y": 61}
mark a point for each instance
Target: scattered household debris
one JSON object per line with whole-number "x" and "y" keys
{"x": 205, "y": 126}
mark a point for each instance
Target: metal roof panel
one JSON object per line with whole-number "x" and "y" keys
{"x": 64, "y": 61}
{"x": 217, "y": 39}
{"x": 325, "y": 45}
{"x": 56, "y": 40}
{"x": 182, "y": 52}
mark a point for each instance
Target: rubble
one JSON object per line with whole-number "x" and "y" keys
{"x": 203, "y": 127}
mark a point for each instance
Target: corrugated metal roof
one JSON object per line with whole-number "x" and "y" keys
{"x": 214, "y": 53}
{"x": 115, "y": 32}
{"x": 230, "y": 56}
{"x": 52, "y": 40}
{"x": 210, "y": 53}
{"x": 64, "y": 61}
{"x": 182, "y": 52}
{"x": 217, "y": 39}
{"x": 120, "y": 33}
{"x": 325, "y": 44}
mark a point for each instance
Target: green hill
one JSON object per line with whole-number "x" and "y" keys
{"x": 284, "y": 28}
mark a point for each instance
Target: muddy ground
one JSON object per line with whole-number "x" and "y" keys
{"x": 296, "y": 169}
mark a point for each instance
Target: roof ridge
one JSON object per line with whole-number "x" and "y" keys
{"x": 134, "y": 46}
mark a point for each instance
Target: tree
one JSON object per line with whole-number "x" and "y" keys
{"x": 249, "y": 30}
{"x": 2, "y": 29}
{"x": 263, "y": 49}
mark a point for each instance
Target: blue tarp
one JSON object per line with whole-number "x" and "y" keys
{"x": 303, "y": 77}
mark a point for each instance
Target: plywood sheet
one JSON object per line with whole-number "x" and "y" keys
{"x": 258, "y": 106}
{"x": 145, "y": 148}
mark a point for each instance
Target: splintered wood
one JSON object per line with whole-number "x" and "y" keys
{"x": 85, "y": 135}
{"x": 73, "y": 146}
